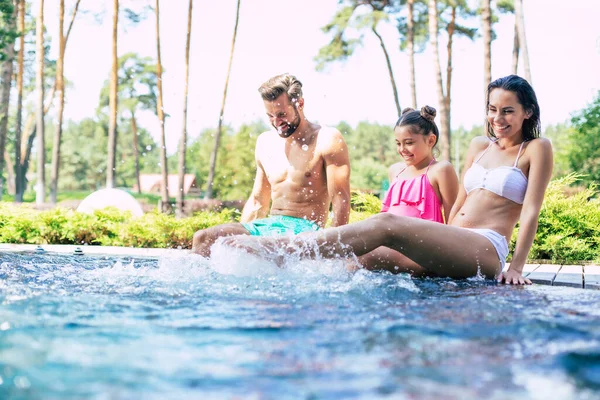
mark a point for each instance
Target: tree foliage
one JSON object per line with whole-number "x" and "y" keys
{"x": 137, "y": 85}
{"x": 584, "y": 142}
{"x": 234, "y": 174}
{"x": 372, "y": 150}
{"x": 85, "y": 151}
{"x": 8, "y": 34}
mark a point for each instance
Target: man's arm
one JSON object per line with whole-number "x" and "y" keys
{"x": 337, "y": 168}
{"x": 259, "y": 201}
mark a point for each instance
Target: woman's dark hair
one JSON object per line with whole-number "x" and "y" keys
{"x": 526, "y": 95}
{"x": 420, "y": 121}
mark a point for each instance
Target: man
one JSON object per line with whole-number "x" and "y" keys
{"x": 301, "y": 169}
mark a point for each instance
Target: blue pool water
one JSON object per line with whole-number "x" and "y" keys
{"x": 180, "y": 327}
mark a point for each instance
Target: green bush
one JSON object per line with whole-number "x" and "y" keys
{"x": 107, "y": 227}
{"x": 363, "y": 205}
{"x": 568, "y": 231}
{"x": 365, "y": 202}
{"x": 569, "y": 225}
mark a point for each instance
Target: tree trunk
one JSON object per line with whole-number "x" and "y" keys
{"x": 10, "y": 178}
{"x": 19, "y": 173}
{"x": 183, "y": 140}
{"x": 486, "y": 24}
{"x": 515, "y": 53}
{"x": 213, "y": 156}
{"x": 433, "y": 37}
{"x": 27, "y": 155}
{"x": 136, "y": 151}
{"x": 411, "y": 52}
{"x": 60, "y": 86}
{"x": 448, "y": 97}
{"x": 28, "y": 139}
{"x": 486, "y": 21}
{"x": 39, "y": 125}
{"x": 164, "y": 186}
{"x": 24, "y": 144}
{"x": 390, "y": 71}
{"x": 522, "y": 39}
{"x": 112, "y": 100}
{"x": 7, "y": 72}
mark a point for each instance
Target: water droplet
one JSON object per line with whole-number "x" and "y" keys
{"x": 148, "y": 147}
{"x": 305, "y": 147}
{"x": 22, "y": 382}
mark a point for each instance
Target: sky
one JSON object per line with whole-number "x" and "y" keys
{"x": 277, "y": 36}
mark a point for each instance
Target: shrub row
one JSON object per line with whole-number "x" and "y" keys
{"x": 569, "y": 225}
{"x": 107, "y": 227}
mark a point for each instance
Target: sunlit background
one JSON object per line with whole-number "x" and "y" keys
{"x": 276, "y": 36}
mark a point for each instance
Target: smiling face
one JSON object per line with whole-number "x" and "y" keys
{"x": 414, "y": 147}
{"x": 505, "y": 114}
{"x": 284, "y": 115}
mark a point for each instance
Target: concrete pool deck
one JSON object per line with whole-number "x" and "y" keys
{"x": 578, "y": 276}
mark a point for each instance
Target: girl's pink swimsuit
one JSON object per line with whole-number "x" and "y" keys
{"x": 413, "y": 197}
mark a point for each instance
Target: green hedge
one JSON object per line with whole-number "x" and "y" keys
{"x": 108, "y": 227}
{"x": 569, "y": 225}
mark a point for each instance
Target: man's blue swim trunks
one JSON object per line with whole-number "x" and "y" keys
{"x": 279, "y": 225}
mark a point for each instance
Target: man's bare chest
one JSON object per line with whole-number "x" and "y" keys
{"x": 301, "y": 166}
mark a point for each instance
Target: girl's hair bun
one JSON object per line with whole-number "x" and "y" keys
{"x": 428, "y": 113}
{"x": 406, "y": 110}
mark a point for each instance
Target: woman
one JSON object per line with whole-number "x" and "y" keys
{"x": 506, "y": 175}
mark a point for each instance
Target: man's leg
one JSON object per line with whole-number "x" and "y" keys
{"x": 205, "y": 238}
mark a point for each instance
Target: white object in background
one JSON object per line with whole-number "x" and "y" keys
{"x": 111, "y": 198}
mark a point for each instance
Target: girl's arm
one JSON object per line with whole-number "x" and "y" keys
{"x": 447, "y": 186}
{"x": 540, "y": 172}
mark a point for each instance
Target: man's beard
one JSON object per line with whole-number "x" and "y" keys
{"x": 291, "y": 127}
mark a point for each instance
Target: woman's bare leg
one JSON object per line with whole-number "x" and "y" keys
{"x": 386, "y": 259}
{"x": 445, "y": 250}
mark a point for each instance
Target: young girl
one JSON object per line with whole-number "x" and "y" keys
{"x": 422, "y": 187}
{"x": 506, "y": 175}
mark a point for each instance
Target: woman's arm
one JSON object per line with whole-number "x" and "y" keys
{"x": 540, "y": 172}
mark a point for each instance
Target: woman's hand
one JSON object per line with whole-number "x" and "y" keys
{"x": 512, "y": 277}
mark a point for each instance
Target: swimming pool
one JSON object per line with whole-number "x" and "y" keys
{"x": 177, "y": 326}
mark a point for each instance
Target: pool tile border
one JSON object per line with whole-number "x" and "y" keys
{"x": 578, "y": 276}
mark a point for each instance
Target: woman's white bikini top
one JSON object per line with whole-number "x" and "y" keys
{"x": 505, "y": 181}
